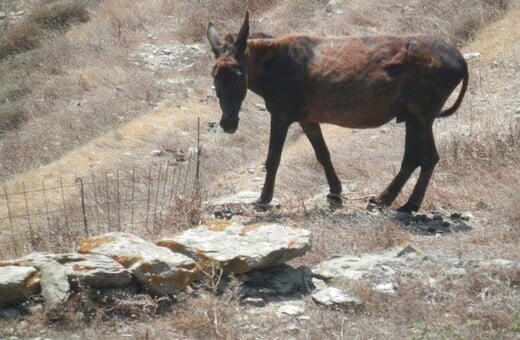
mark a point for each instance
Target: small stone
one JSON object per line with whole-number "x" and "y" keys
{"x": 466, "y": 216}
{"x": 455, "y": 215}
{"x": 437, "y": 217}
{"x": 251, "y": 301}
{"x": 387, "y": 288}
{"x": 372, "y": 207}
{"x": 2, "y": 15}
{"x": 471, "y": 56}
{"x": 336, "y": 298}
{"x": 156, "y": 153}
{"x": 293, "y": 310}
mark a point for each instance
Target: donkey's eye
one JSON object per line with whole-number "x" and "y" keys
{"x": 239, "y": 73}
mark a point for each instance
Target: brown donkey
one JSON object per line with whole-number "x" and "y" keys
{"x": 356, "y": 82}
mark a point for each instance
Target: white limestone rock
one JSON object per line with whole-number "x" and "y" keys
{"x": 156, "y": 268}
{"x": 237, "y": 248}
{"x": 354, "y": 267}
{"x": 336, "y": 298}
{"x": 17, "y": 283}
{"x": 94, "y": 270}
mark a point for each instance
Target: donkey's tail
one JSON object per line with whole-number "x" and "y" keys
{"x": 451, "y": 110}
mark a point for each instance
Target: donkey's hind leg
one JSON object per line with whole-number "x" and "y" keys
{"x": 313, "y": 132}
{"x": 409, "y": 164}
{"x": 428, "y": 159}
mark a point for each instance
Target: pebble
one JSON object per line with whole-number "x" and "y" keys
{"x": 387, "y": 288}
{"x": 471, "y": 56}
{"x": 256, "y": 302}
{"x": 466, "y": 216}
{"x": 292, "y": 310}
{"x": 156, "y": 153}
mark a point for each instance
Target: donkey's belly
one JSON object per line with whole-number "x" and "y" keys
{"x": 358, "y": 119}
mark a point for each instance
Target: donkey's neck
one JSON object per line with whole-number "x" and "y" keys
{"x": 257, "y": 55}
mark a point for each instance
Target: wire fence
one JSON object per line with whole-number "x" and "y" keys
{"x": 50, "y": 217}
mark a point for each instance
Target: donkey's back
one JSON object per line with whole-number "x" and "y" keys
{"x": 359, "y": 82}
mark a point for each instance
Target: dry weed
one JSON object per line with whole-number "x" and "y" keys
{"x": 207, "y": 317}
{"x": 59, "y": 14}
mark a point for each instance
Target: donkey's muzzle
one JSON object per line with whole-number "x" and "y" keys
{"x": 229, "y": 126}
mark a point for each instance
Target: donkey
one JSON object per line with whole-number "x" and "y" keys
{"x": 355, "y": 82}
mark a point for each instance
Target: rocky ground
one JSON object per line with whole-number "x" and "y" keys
{"x": 253, "y": 261}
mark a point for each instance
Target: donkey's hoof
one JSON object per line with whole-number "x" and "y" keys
{"x": 259, "y": 205}
{"x": 408, "y": 209}
{"x": 335, "y": 200}
{"x": 376, "y": 201}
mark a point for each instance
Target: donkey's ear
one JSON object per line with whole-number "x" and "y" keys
{"x": 241, "y": 42}
{"x": 214, "y": 40}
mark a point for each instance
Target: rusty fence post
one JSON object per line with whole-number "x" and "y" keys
{"x": 197, "y": 168}
{"x": 82, "y": 193}
{"x": 10, "y": 221}
{"x": 132, "y": 201}
{"x": 46, "y": 206}
{"x": 28, "y": 215}
{"x": 108, "y": 202}
{"x": 118, "y": 202}
{"x": 64, "y": 205}
{"x": 96, "y": 205}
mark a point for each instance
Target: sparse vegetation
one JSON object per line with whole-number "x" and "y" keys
{"x": 73, "y": 100}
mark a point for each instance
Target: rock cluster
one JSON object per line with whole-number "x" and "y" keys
{"x": 179, "y": 57}
{"x": 162, "y": 268}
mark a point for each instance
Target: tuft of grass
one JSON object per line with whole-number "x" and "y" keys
{"x": 11, "y": 117}
{"x": 30, "y": 33}
{"x": 20, "y": 38}
{"x": 60, "y": 14}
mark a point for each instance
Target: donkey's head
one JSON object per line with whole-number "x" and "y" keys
{"x": 230, "y": 72}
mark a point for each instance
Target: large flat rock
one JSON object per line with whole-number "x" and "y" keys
{"x": 237, "y": 248}
{"x": 156, "y": 268}
{"x": 17, "y": 283}
{"x": 94, "y": 270}
{"x": 355, "y": 267}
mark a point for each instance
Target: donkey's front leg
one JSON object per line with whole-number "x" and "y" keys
{"x": 279, "y": 128}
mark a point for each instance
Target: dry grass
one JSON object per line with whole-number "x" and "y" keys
{"x": 193, "y": 21}
{"x": 30, "y": 33}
